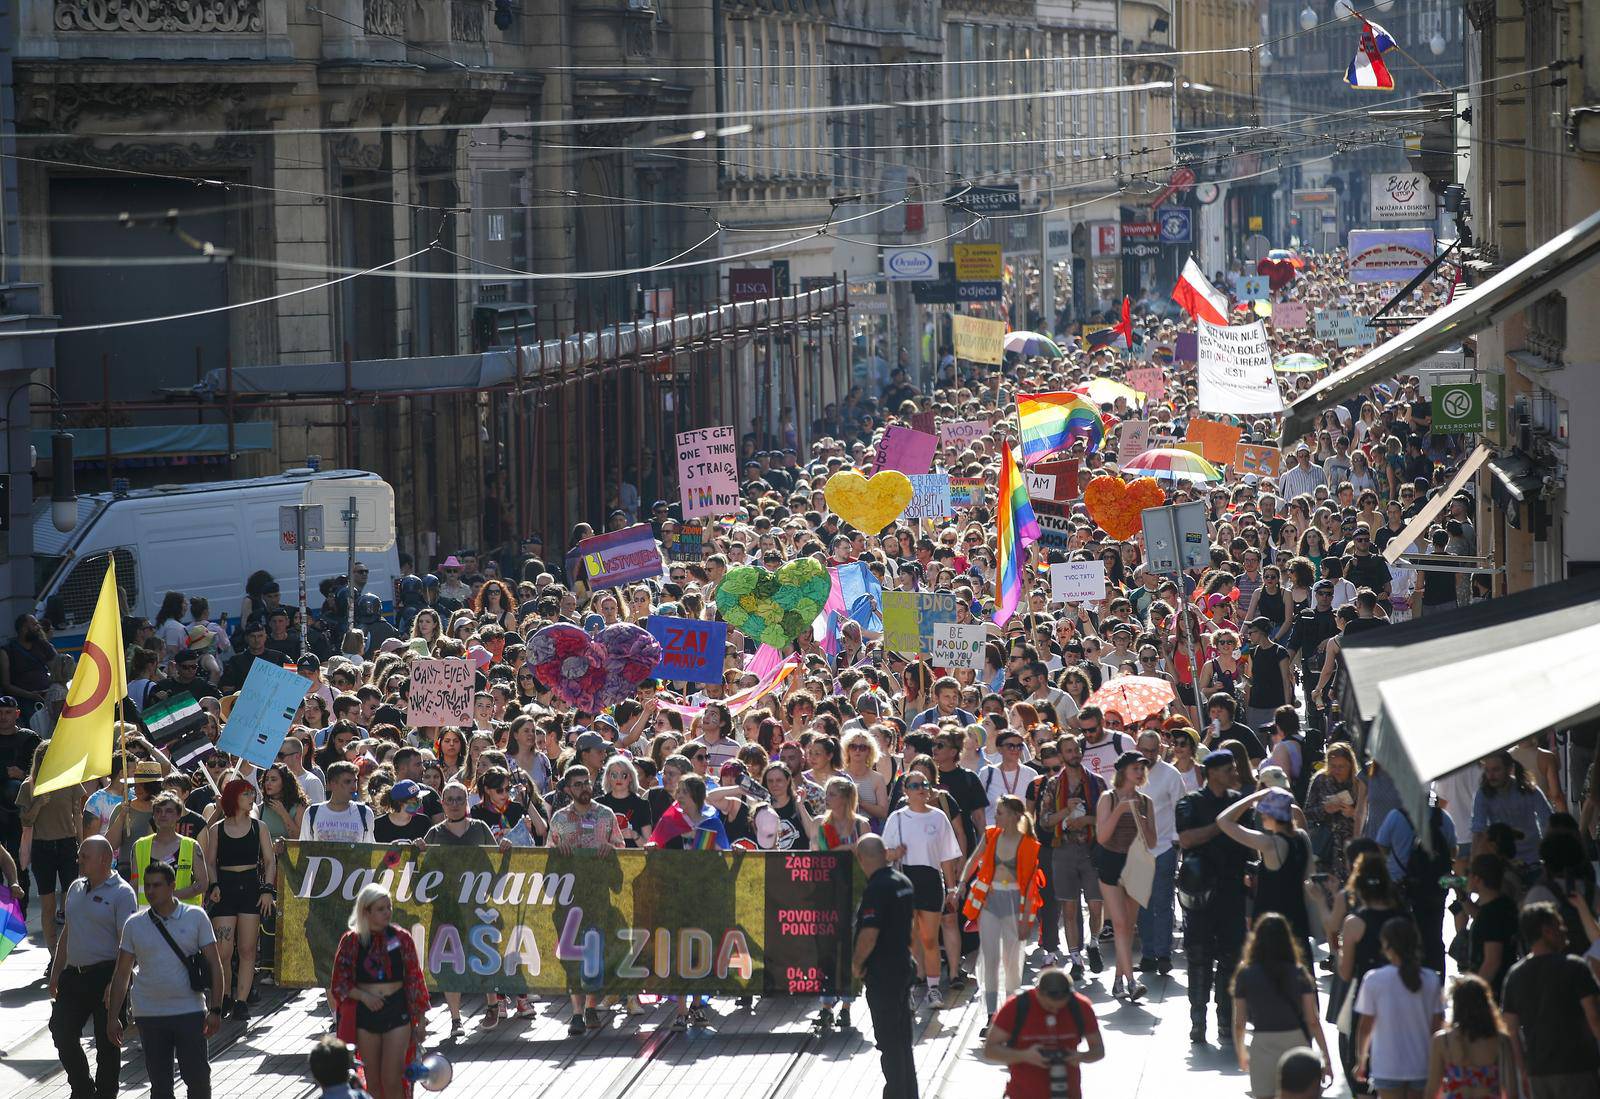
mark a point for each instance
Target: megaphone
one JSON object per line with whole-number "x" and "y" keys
{"x": 431, "y": 1070}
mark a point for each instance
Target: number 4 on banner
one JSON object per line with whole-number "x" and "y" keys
{"x": 591, "y": 952}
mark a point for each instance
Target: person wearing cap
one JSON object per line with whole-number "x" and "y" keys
{"x": 1286, "y": 859}
{"x": 881, "y": 956}
{"x": 185, "y": 678}
{"x": 1212, "y": 888}
{"x": 1303, "y": 477}
{"x": 1043, "y": 1035}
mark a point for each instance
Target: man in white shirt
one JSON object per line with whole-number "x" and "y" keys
{"x": 1164, "y": 786}
{"x": 292, "y": 754}
{"x": 1009, "y": 776}
{"x": 1303, "y": 477}
{"x": 339, "y": 819}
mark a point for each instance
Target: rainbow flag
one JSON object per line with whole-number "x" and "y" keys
{"x": 13, "y": 928}
{"x": 1018, "y": 530}
{"x": 1051, "y": 421}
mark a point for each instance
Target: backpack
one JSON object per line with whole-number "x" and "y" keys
{"x": 1024, "y": 1000}
{"x": 361, "y": 810}
{"x": 1424, "y": 868}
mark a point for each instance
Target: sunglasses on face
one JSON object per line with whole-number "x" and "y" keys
{"x": 916, "y": 786}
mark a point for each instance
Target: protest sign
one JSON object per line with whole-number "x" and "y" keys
{"x": 691, "y": 649}
{"x": 1186, "y": 348}
{"x": 906, "y": 449}
{"x": 689, "y": 543}
{"x": 930, "y": 496}
{"x": 1253, "y": 287}
{"x": 1077, "y": 581}
{"x": 924, "y": 421}
{"x": 1132, "y": 440}
{"x": 262, "y": 713}
{"x": 910, "y": 616}
{"x": 1055, "y": 527}
{"x": 1290, "y": 314}
{"x": 1148, "y": 380}
{"x": 621, "y": 556}
{"x": 537, "y": 922}
{"x": 1192, "y": 447}
{"x": 1216, "y": 440}
{"x": 963, "y": 431}
{"x": 1389, "y": 255}
{"x": 708, "y": 477}
{"x": 1251, "y": 458}
{"x": 441, "y": 692}
{"x": 1041, "y": 486}
{"x": 1057, "y": 480}
{"x": 959, "y": 646}
{"x": 1235, "y": 373}
{"x": 966, "y": 492}
{"x": 978, "y": 340}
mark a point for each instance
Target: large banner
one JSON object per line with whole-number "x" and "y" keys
{"x": 978, "y": 340}
{"x": 1235, "y": 371}
{"x": 534, "y": 921}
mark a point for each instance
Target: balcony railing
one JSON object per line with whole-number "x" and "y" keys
{"x": 161, "y": 16}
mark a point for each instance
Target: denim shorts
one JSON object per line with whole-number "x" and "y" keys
{"x": 1386, "y": 1084}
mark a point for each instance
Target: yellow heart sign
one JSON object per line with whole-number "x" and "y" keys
{"x": 868, "y": 505}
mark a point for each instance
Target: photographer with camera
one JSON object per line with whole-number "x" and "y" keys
{"x": 1037, "y": 1034}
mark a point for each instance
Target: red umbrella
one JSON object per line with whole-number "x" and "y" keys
{"x": 1135, "y": 697}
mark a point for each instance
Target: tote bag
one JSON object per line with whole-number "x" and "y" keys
{"x": 1139, "y": 872}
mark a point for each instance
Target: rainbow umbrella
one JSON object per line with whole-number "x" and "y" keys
{"x": 1172, "y": 464}
{"x": 1288, "y": 255}
{"x": 13, "y": 928}
{"x": 1032, "y": 343}
{"x": 1299, "y": 363}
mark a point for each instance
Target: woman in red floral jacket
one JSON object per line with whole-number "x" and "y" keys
{"x": 378, "y": 993}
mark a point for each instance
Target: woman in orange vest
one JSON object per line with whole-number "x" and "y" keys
{"x": 1004, "y": 896}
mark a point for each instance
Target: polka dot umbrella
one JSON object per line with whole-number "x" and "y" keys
{"x": 1135, "y": 697}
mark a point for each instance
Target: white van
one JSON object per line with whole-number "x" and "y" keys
{"x": 199, "y": 539}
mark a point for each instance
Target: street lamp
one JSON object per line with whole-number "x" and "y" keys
{"x": 1383, "y": 5}
{"x": 1308, "y": 18}
{"x": 1437, "y": 44}
{"x": 1266, "y": 58}
{"x": 63, "y": 482}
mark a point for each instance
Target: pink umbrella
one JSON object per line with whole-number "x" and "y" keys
{"x": 1135, "y": 697}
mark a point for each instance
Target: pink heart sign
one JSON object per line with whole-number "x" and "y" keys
{"x": 591, "y": 673}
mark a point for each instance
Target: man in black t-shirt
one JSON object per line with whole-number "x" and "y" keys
{"x": 1551, "y": 1007}
{"x": 1271, "y": 673}
{"x": 1211, "y": 884}
{"x": 1311, "y": 627}
{"x": 882, "y": 957}
{"x": 962, "y": 785}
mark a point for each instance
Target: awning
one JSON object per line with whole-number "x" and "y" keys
{"x": 163, "y": 440}
{"x": 1530, "y": 278}
{"x": 1516, "y": 475}
{"x": 1429, "y": 696}
{"x": 1423, "y": 519}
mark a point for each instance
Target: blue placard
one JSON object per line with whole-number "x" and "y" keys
{"x": 691, "y": 650}
{"x": 262, "y": 713}
{"x": 1177, "y": 224}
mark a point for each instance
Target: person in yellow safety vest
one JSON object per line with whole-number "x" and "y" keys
{"x": 1004, "y": 896}
{"x": 165, "y": 845}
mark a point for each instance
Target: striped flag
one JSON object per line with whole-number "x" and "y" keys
{"x": 1368, "y": 71}
{"x": 1018, "y": 529}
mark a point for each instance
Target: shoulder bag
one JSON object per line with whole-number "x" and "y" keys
{"x": 198, "y": 967}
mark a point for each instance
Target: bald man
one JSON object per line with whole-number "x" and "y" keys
{"x": 882, "y": 958}
{"x": 98, "y": 904}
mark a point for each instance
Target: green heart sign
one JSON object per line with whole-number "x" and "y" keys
{"x": 773, "y": 607}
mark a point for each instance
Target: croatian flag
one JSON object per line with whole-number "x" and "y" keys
{"x": 1199, "y": 298}
{"x": 1367, "y": 70}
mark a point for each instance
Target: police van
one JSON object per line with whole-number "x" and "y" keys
{"x": 200, "y": 539}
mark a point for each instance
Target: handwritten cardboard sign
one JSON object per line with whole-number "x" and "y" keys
{"x": 441, "y": 692}
{"x": 262, "y": 713}
{"x": 966, "y": 492}
{"x": 1260, "y": 460}
{"x": 1217, "y": 440}
{"x": 691, "y": 650}
{"x": 959, "y": 646}
{"x": 623, "y": 556}
{"x": 910, "y": 616}
{"x": 1148, "y": 380}
{"x": 1288, "y": 315}
{"x": 1078, "y": 581}
{"x": 708, "y": 476}
{"x": 930, "y": 496}
{"x": 689, "y": 544}
{"x": 963, "y": 431}
{"x": 906, "y": 449}
{"x": 1132, "y": 440}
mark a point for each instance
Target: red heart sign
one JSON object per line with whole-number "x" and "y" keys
{"x": 1279, "y": 272}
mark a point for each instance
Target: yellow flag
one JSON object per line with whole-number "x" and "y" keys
{"x": 82, "y": 745}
